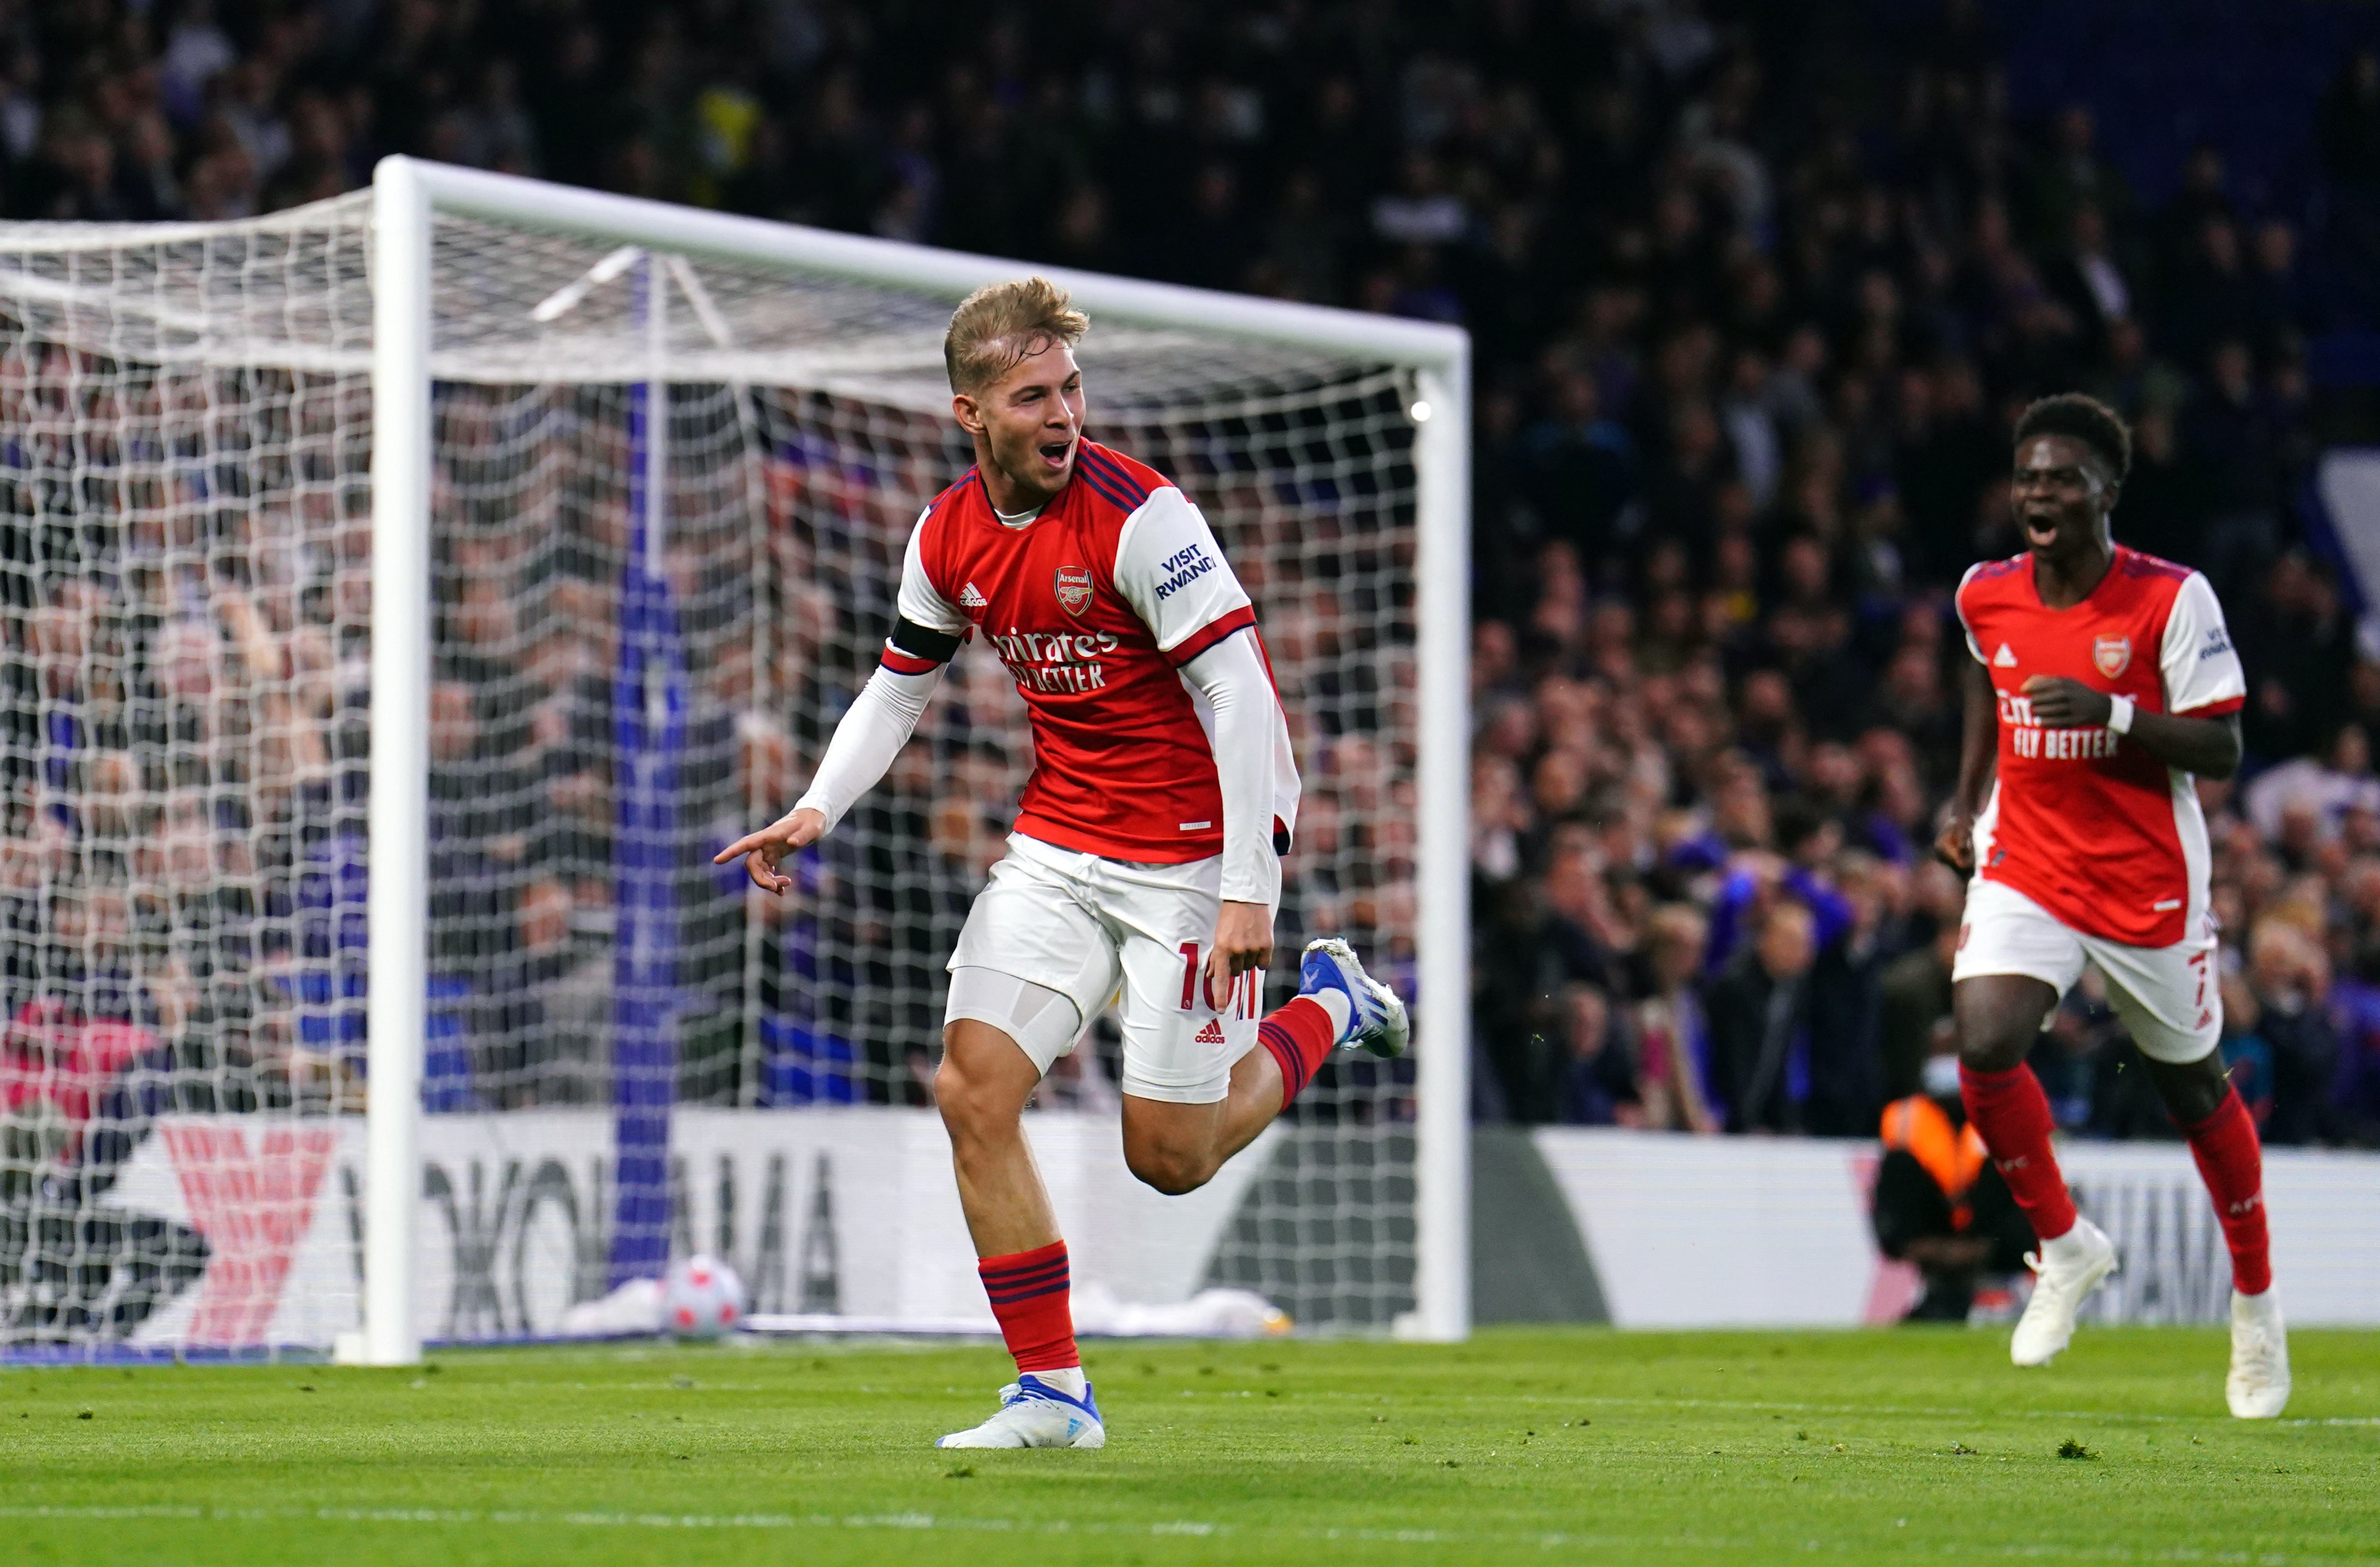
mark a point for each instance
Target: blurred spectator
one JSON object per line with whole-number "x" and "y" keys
{"x": 1808, "y": 841}
{"x": 2288, "y": 980}
{"x": 1760, "y": 1022}
{"x": 2355, "y": 1018}
{"x": 2231, "y": 429}
{"x": 1915, "y": 988}
{"x": 1673, "y": 1028}
{"x": 2299, "y": 645}
{"x": 2324, "y": 788}
{"x": 2090, "y": 281}
{"x": 1600, "y": 1082}
{"x": 2073, "y": 176}
{"x": 2166, "y": 500}
{"x": 2247, "y": 1057}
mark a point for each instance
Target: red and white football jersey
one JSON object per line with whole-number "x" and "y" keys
{"x": 1095, "y": 605}
{"x": 2086, "y": 822}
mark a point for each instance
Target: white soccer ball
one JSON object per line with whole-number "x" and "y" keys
{"x": 701, "y": 1298}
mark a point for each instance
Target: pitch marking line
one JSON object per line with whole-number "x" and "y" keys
{"x": 935, "y": 1522}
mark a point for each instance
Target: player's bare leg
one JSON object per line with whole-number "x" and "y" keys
{"x": 980, "y": 1089}
{"x": 1178, "y": 1147}
{"x": 2223, "y": 1139}
{"x": 1997, "y": 1018}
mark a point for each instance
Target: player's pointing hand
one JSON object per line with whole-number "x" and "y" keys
{"x": 760, "y": 851}
{"x": 2061, "y": 703}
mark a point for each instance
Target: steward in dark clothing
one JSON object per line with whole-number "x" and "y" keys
{"x": 1941, "y": 1205}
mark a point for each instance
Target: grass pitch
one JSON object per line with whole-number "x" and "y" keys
{"x": 1736, "y": 1447}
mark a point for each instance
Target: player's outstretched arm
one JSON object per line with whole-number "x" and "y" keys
{"x": 878, "y": 723}
{"x": 2208, "y": 748}
{"x": 1978, "y": 750}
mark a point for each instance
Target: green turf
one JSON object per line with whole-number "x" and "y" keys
{"x": 1884, "y": 1446}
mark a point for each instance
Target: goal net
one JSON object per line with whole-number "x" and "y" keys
{"x": 360, "y": 921}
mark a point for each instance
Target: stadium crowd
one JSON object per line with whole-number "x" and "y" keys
{"x": 1755, "y": 291}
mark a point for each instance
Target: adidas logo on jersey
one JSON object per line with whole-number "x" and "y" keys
{"x": 971, "y": 599}
{"x": 1212, "y": 1034}
{"x": 2004, "y": 659}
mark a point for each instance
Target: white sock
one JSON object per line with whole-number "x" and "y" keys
{"x": 2067, "y": 1247}
{"x": 1069, "y": 1381}
{"x": 1342, "y": 1010}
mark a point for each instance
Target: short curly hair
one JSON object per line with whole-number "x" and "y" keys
{"x": 1001, "y": 323}
{"x": 2087, "y": 420}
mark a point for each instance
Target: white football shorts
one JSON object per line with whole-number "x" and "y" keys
{"x": 1096, "y": 930}
{"x": 2170, "y": 998}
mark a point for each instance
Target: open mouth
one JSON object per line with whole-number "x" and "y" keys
{"x": 1056, "y": 454}
{"x": 2040, "y": 530}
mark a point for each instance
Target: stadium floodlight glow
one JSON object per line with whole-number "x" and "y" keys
{"x": 584, "y": 511}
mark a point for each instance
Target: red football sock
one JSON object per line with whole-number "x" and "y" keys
{"x": 2233, "y": 1168}
{"x": 1030, "y": 1295}
{"x": 2012, "y": 1115}
{"x": 1300, "y": 1034}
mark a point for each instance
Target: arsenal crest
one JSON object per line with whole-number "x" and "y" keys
{"x": 2112, "y": 654}
{"x": 1074, "y": 589}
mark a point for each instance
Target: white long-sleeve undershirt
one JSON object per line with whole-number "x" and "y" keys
{"x": 874, "y": 728}
{"x": 1230, "y": 675}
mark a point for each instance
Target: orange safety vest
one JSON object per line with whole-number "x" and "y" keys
{"x": 1952, "y": 1155}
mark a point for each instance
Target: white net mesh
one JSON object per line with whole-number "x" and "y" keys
{"x": 670, "y": 496}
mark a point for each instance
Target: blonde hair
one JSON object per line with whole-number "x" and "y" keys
{"x": 1001, "y": 324}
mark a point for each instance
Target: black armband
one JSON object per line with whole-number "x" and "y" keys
{"x": 914, "y": 649}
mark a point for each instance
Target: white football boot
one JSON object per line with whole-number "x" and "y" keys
{"x": 1034, "y": 1414}
{"x": 1376, "y": 1020}
{"x": 2064, "y": 1272}
{"x": 2258, "y": 1388}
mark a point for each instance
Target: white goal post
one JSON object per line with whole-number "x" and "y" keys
{"x": 720, "y": 424}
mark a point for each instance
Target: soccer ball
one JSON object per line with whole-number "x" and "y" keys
{"x": 701, "y": 1298}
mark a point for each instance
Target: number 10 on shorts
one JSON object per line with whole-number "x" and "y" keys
{"x": 1248, "y": 989}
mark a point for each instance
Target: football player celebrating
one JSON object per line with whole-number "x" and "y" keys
{"x": 1145, "y": 854}
{"x": 2104, "y": 685}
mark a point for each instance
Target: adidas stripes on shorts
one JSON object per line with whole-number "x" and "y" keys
{"x": 1089, "y": 929}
